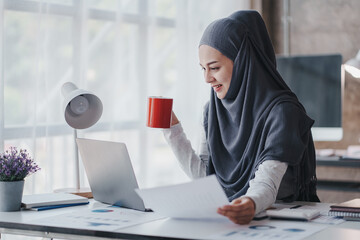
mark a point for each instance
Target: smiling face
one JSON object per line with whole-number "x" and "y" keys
{"x": 217, "y": 69}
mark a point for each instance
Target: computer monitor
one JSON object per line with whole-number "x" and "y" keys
{"x": 317, "y": 80}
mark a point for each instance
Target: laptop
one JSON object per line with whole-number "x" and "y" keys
{"x": 110, "y": 173}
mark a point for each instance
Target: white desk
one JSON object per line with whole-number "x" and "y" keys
{"x": 24, "y": 223}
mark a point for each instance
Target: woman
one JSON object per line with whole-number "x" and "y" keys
{"x": 257, "y": 137}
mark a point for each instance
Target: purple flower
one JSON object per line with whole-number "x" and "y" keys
{"x": 16, "y": 165}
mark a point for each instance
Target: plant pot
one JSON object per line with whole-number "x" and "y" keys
{"x": 11, "y": 195}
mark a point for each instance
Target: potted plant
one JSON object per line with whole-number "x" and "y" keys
{"x": 14, "y": 167}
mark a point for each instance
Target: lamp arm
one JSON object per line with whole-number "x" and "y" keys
{"x": 77, "y": 167}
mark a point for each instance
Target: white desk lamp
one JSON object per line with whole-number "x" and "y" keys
{"x": 353, "y": 66}
{"x": 82, "y": 109}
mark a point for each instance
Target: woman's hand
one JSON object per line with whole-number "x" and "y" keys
{"x": 240, "y": 211}
{"x": 174, "y": 119}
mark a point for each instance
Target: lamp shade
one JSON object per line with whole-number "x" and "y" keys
{"x": 82, "y": 109}
{"x": 353, "y": 66}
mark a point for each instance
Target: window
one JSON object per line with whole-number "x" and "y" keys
{"x": 121, "y": 50}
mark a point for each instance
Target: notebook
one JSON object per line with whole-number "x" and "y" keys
{"x": 110, "y": 173}
{"x": 51, "y": 200}
{"x": 352, "y": 205}
{"x": 346, "y": 209}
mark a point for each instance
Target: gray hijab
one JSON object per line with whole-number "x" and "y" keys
{"x": 260, "y": 118}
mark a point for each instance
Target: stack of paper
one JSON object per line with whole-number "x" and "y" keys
{"x": 52, "y": 200}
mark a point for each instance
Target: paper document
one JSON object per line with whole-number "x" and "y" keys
{"x": 103, "y": 219}
{"x": 270, "y": 229}
{"x": 197, "y": 199}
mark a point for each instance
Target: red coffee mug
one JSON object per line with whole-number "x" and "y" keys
{"x": 159, "y": 112}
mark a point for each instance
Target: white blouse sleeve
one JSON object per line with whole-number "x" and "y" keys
{"x": 193, "y": 165}
{"x": 265, "y": 185}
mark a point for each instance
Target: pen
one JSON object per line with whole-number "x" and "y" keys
{"x": 296, "y": 206}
